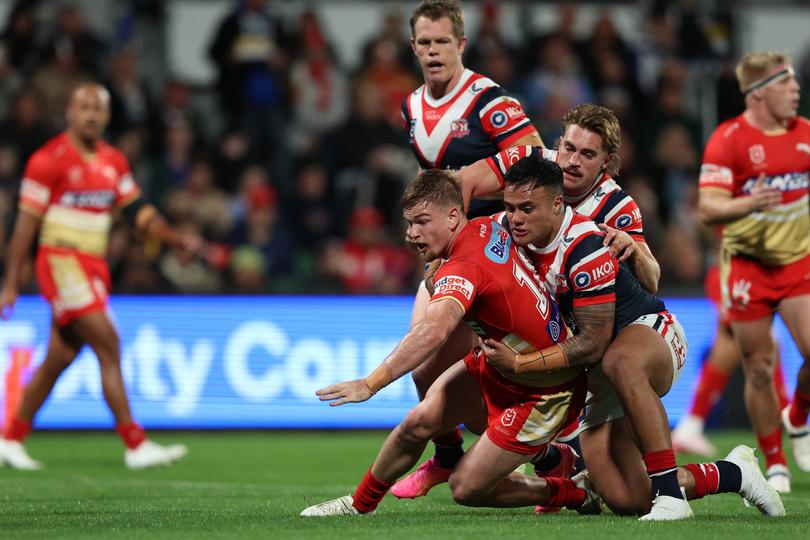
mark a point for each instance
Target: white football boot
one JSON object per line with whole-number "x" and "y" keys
{"x": 666, "y": 508}
{"x": 778, "y": 477}
{"x": 593, "y": 503}
{"x": 13, "y": 454}
{"x": 799, "y": 439}
{"x": 342, "y": 506}
{"x": 755, "y": 490}
{"x": 150, "y": 454}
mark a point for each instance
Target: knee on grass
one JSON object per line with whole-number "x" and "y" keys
{"x": 464, "y": 492}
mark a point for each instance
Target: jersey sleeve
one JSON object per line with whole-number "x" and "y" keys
{"x": 592, "y": 272}
{"x": 457, "y": 281}
{"x": 626, "y": 216}
{"x": 503, "y": 118}
{"x": 127, "y": 190}
{"x": 716, "y": 171}
{"x": 39, "y": 181}
{"x": 501, "y": 162}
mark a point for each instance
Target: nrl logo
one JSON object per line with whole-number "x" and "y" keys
{"x": 757, "y": 154}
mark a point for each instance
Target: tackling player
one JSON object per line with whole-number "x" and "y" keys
{"x": 71, "y": 187}
{"x": 487, "y": 284}
{"x": 754, "y": 182}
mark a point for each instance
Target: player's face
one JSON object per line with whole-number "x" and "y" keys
{"x": 782, "y": 97}
{"x": 89, "y": 112}
{"x": 437, "y": 49}
{"x": 582, "y": 158}
{"x": 532, "y": 214}
{"x": 430, "y": 229}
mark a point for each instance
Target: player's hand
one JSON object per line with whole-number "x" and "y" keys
{"x": 620, "y": 244}
{"x": 8, "y": 297}
{"x": 189, "y": 243}
{"x": 345, "y": 392}
{"x": 500, "y": 356}
{"x": 764, "y": 197}
{"x": 430, "y": 273}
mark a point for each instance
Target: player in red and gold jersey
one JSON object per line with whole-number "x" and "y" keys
{"x": 754, "y": 182}
{"x": 71, "y": 188}
{"x": 487, "y": 284}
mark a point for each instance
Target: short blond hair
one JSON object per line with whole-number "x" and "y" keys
{"x": 435, "y": 10}
{"x": 754, "y": 66}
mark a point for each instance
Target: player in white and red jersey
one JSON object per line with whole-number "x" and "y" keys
{"x": 70, "y": 189}
{"x": 486, "y": 283}
{"x": 454, "y": 119}
{"x": 642, "y": 349}
{"x": 754, "y": 181}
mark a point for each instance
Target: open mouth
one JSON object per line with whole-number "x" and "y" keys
{"x": 435, "y": 66}
{"x": 420, "y": 247}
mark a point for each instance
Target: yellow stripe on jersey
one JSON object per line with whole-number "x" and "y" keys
{"x": 76, "y": 229}
{"x": 776, "y": 237}
{"x": 547, "y": 418}
{"x": 73, "y": 288}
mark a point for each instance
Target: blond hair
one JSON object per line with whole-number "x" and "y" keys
{"x": 435, "y": 10}
{"x": 754, "y": 66}
{"x": 433, "y": 186}
{"x": 603, "y": 122}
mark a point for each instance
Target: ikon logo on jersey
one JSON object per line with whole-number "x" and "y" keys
{"x": 595, "y": 274}
{"x": 451, "y": 284}
{"x": 497, "y": 249}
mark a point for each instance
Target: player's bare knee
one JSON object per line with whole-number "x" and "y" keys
{"x": 759, "y": 374}
{"x": 420, "y": 424}
{"x": 619, "y": 368}
{"x": 463, "y": 491}
{"x": 625, "y": 504}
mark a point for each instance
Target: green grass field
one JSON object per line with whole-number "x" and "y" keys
{"x": 253, "y": 485}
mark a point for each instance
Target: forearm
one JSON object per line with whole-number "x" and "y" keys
{"x": 151, "y": 223}
{"x": 720, "y": 210}
{"x": 25, "y": 229}
{"x": 645, "y": 268}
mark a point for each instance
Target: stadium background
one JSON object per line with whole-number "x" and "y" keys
{"x": 291, "y": 169}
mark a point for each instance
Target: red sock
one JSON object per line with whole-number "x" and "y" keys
{"x": 707, "y": 478}
{"x": 17, "y": 429}
{"x": 709, "y": 389}
{"x": 799, "y": 409}
{"x": 132, "y": 434}
{"x": 771, "y": 447}
{"x": 369, "y": 493}
{"x": 781, "y": 391}
{"x": 564, "y": 493}
{"x": 453, "y": 438}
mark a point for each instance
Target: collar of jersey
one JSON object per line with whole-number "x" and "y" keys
{"x": 465, "y": 76}
{"x": 566, "y": 222}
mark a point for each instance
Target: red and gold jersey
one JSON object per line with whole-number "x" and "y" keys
{"x": 501, "y": 295}
{"x": 76, "y": 196}
{"x": 736, "y": 154}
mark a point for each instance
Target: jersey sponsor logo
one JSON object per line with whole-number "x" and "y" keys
{"x": 715, "y": 174}
{"x": 459, "y": 128}
{"x": 516, "y": 153}
{"x": 803, "y": 147}
{"x": 451, "y": 284}
{"x": 756, "y": 153}
{"x": 497, "y": 249}
{"x": 741, "y": 292}
{"x": 582, "y": 279}
{"x": 101, "y": 199}
{"x": 783, "y": 182}
{"x": 508, "y": 417}
{"x": 603, "y": 270}
{"x": 624, "y": 221}
{"x": 498, "y": 119}
{"x": 35, "y": 192}
{"x": 515, "y": 112}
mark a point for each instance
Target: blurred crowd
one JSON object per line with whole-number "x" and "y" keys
{"x": 293, "y": 171}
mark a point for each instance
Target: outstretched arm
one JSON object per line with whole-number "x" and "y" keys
{"x": 420, "y": 344}
{"x": 147, "y": 220}
{"x": 25, "y": 228}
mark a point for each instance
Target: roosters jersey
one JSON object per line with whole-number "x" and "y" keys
{"x": 75, "y": 196}
{"x": 579, "y": 271}
{"x": 472, "y": 121}
{"x": 736, "y": 154}
{"x": 606, "y": 202}
{"x": 501, "y": 295}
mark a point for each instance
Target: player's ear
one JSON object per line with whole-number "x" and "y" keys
{"x": 454, "y": 216}
{"x": 559, "y": 205}
{"x": 462, "y": 44}
{"x": 413, "y": 45}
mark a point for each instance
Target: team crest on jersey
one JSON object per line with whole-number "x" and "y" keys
{"x": 757, "y": 154}
{"x": 623, "y": 221}
{"x": 562, "y": 284}
{"x": 508, "y": 417}
{"x": 449, "y": 284}
{"x": 459, "y": 128}
{"x": 497, "y": 249}
{"x": 74, "y": 175}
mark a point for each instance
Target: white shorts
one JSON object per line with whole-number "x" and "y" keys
{"x": 602, "y": 403}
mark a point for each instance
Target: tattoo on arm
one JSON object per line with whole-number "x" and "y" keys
{"x": 595, "y": 325}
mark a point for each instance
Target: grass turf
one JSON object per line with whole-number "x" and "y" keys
{"x": 253, "y": 485}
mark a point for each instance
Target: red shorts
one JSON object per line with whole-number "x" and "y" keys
{"x": 753, "y": 290}
{"x": 712, "y": 287}
{"x": 520, "y": 418}
{"x": 74, "y": 283}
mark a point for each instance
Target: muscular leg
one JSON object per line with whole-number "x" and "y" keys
{"x": 63, "y": 347}
{"x": 96, "y": 329}
{"x": 794, "y": 312}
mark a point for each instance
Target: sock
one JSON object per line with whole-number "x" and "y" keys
{"x": 718, "y": 477}
{"x": 799, "y": 409}
{"x": 548, "y": 460}
{"x": 663, "y": 473}
{"x": 781, "y": 391}
{"x": 369, "y": 493}
{"x": 709, "y": 389}
{"x": 132, "y": 434}
{"x": 448, "y": 449}
{"x": 17, "y": 429}
{"x": 771, "y": 447}
{"x": 564, "y": 493}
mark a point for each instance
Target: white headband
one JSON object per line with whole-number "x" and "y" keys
{"x": 771, "y": 79}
